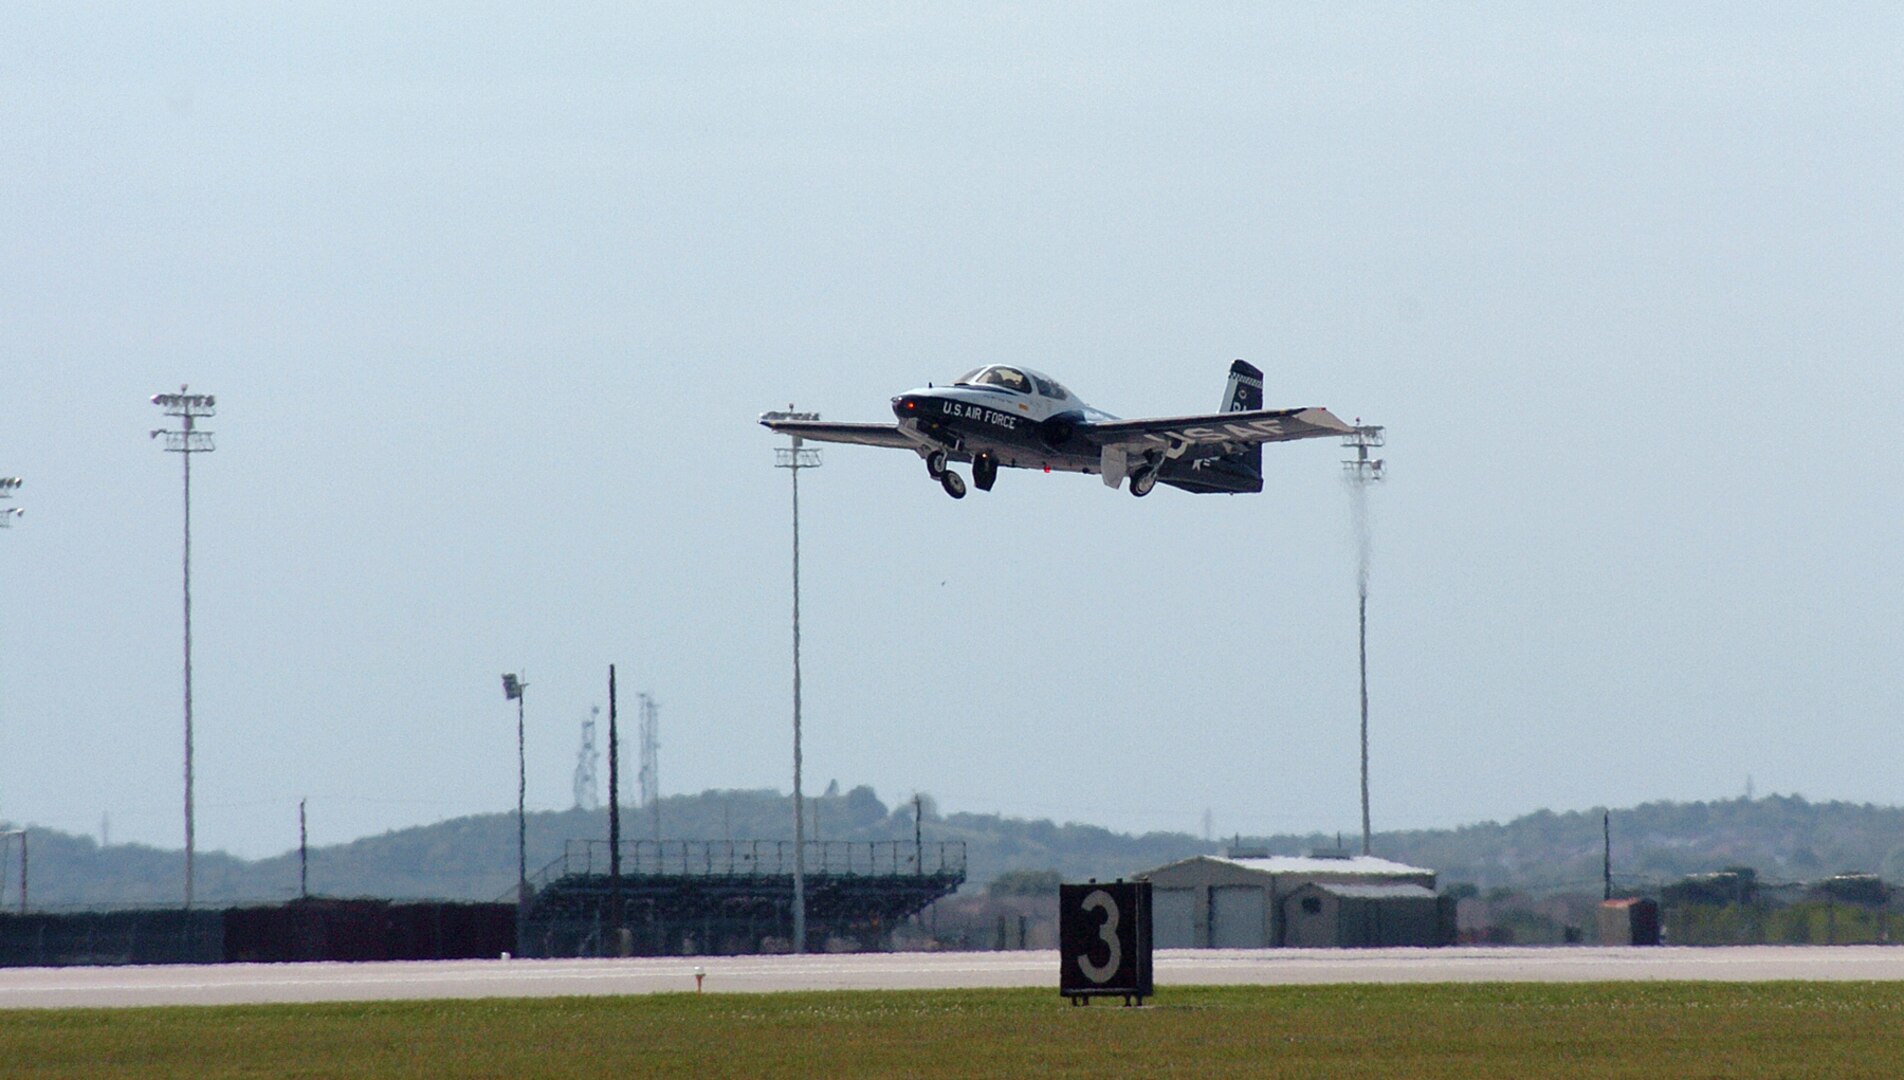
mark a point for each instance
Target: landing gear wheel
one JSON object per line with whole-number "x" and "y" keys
{"x": 953, "y": 483}
{"x": 935, "y": 464}
{"x": 984, "y": 471}
{"x": 1142, "y": 481}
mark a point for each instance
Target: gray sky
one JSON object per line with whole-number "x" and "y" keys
{"x": 491, "y": 297}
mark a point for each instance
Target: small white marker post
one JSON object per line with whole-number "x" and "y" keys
{"x": 699, "y": 974}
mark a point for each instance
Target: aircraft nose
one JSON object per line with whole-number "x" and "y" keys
{"x": 905, "y": 406}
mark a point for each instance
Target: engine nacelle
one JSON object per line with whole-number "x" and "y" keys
{"x": 1057, "y": 432}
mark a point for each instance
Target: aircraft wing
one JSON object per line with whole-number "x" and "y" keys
{"x": 829, "y": 431}
{"x": 1255, "y": 426}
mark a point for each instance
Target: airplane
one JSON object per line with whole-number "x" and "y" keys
{"x": 1005, "y": 416}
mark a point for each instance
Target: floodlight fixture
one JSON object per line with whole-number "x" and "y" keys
{"x": 796, "y": 456}
{"x": 1361, "y": 468}
{"x": 184, "y": 404}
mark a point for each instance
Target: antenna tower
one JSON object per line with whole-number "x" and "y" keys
{"x": 650, "y": 775}
{"x": 587, "y": 794}
{"x": 1362, "y": 471}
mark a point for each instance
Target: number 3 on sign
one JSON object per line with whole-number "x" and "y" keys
{"x": 1107, "y": 933}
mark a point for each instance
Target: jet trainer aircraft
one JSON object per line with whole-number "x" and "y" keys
{"x": 1018, "y": 418}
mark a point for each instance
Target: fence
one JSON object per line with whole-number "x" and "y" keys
{"x": 689, "y": 897}
{"x": 301, "y": 930}
{"x": 759, "y": 858}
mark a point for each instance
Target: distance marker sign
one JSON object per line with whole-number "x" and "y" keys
{"x": 1104, "y": 941}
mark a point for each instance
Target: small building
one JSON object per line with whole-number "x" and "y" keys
{"x": 1853, "y": 888}
{"x": 1629, "y": 921}
{"x": 1733, "y": 885}
{"x": 1236, "y": 901}
{"x": 1323, "y": 915}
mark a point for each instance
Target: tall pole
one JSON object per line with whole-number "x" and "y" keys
{"x": 191, "y": 843}
{"x": 514, "y": 688}
{"x": 188, "y": 440}
{"x": 1361, "y": 622}
{"x": 799, "y": 802}
{"x": 9, "y": 485}
{"x": 1606, "y": 857}
{"x": 794, "y": 458}
{"x": 304, "y": 856}
{"x": 614, "y": 813}
{"x": 1362, "y": 471}
{"x": 522, "y": 819}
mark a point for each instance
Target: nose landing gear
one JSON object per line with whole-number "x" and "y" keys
{"x": 984, "y": 471}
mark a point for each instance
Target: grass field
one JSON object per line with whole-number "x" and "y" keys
{"x": 1636, "y": 1030}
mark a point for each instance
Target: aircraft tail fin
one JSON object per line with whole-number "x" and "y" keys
{"x": 1245, "y": 393}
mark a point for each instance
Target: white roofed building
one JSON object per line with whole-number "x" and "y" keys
{"x": 1237, "y": 901}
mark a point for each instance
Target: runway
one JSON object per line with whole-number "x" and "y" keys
{"x": 232, "y": 984}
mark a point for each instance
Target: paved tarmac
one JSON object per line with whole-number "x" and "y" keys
{"x": 227, "y": 984}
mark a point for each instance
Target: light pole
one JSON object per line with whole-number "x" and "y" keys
{"x": 512, "y": 689}
{"x": 304, "y": 856}
{"x": 793, "y": 458}
{"x": 9, "y": 485}
{"x": 1361, "y": 471}
{"x": 188, "y": 440}
{"x": 614, "y": 817}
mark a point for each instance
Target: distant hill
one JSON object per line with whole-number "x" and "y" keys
{"x": 1785, "y": 838}
{"x": 474, "y": 858}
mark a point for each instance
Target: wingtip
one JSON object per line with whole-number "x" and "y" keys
{"x": 1323, "y": 418}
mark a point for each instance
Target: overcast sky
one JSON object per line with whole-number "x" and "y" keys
{"x": 490, "y": 299}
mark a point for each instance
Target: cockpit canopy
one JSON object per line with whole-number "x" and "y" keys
{"x": 1017, "y": 380}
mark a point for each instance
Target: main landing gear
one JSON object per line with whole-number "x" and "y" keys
{"x": 1143, "y": 481}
